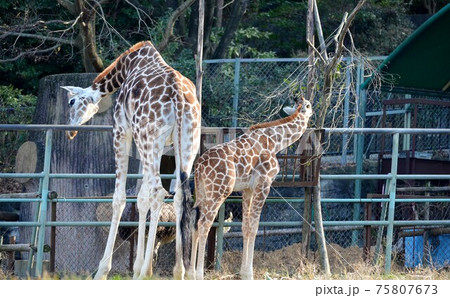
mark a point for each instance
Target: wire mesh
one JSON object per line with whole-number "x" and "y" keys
{"x": 228, "y": 101}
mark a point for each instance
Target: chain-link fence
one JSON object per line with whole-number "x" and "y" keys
{"x": 238, "y": 93}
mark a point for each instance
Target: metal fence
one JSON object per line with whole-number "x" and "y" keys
{"x": 280, "y": 221}
{"x": 355, "y": 176}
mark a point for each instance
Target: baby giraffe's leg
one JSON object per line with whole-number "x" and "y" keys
{"x": 204, "y": 226}
{"x": 260, "y": 194}
{"x": 247, "y": 196}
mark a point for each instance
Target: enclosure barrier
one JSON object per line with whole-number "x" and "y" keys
{"x": 41, "y": 222}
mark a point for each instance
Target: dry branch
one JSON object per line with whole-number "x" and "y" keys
{"x": 171, "y": 22}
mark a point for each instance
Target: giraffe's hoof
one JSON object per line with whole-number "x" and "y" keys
{"x": 190, "y": 274}
{"x": 100, "y": 276}
{"x": 178, "y": 272}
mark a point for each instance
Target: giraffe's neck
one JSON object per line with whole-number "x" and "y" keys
{"x": 283, "y": 132}
{"x": 291, "y": 132}
{"x": 141, "y": 55}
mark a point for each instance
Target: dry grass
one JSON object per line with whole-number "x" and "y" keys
{"x": 346, "y": 263}
{"x": 289, "y": 264}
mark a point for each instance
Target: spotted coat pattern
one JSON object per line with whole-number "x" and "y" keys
{"x": 156, "y": 106}
{"x": 248, "y": 164}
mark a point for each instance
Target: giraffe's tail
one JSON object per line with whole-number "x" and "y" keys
{"x": 186, "y": 218}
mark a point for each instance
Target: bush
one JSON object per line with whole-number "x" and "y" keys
{"x": 15, "y": 108}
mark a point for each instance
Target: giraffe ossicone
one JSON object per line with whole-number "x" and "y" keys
{"x": 248, "y": 164}
{"x": 156, "y": 106}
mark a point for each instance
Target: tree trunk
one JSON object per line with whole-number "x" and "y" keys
{"x": 239, "y": 7}
{"x": 86, "y": 40}
{"x": 199, "y": 55}
{"x": 78, "y": 249}
{"x": 219, "y": 13}
{"x": 306, "y": 230}
{"x": 209, "y": 19}
{"x": 171, "y": 23}
{"x": 191, "y": 40}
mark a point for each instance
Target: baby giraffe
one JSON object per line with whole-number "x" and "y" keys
{"x": 248, "y": 164}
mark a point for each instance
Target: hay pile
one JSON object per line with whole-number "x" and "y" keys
{"x": 289, "y": 263}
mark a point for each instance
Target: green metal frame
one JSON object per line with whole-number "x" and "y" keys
{"x": 40, "y": 222}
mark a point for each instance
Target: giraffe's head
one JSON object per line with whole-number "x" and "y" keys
{"x": 306, "y": 108}
{"x": 303, "y": 105}
{"x": 83, "y": 104}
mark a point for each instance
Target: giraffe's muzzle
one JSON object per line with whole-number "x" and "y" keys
{"x": 71, "y": 134}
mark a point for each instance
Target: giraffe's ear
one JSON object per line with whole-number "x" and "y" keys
{"x": 73, "y": 90}
{"x": 289, "y": 110}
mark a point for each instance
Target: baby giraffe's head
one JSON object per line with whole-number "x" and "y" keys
{"x": 83, "y": 104}
{"x": 304, "y": 107}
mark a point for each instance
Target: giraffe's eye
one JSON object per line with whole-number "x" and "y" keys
{"x": 71, "y": 102}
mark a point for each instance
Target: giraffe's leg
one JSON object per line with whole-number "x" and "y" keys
{"x": 151, "y": 198}
{"x": 247, "y": 197}
{"x": 191, "y": 271}
{"x": 260, "y": 194}
{"x": 204, "y": 226}
{"x": 122, "y": 141}
{"x": 155, "y": 210}
{"x": 143, "y": 206}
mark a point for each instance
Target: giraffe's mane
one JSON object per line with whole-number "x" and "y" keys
{"x": 112, "y": 65}
{"x": 279, "y": 121}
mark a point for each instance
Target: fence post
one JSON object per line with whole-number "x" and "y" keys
{"x": 219, "y": 246}
{"x": 44, "y": 203}
{"x": 237, "y": 69}
{"x": 391, "y": 210}
{"x": 346, "y": 112}
{"x": 359, "y": 152}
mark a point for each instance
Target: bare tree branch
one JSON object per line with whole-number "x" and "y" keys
{"x": 37, "y": 36}
{"x": 31, "y": 53}
{"x": 69, "y": 5}
{"x": 330, "y": 67}
{"x": 171, "y": 22}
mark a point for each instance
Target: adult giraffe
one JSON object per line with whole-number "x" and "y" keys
{"x": 248, "y": 164}
{"x": 156, "y": 106}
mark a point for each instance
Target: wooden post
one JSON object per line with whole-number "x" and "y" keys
{"x": 10, "y": 254}
{"x": 199, "y": 56}
{"x": 306, "y": 229}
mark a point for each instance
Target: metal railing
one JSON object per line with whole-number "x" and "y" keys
{"x": 40, "y": 222}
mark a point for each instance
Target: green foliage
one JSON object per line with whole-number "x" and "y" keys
{"x": 240, "y": 46}
{"x": 15, "y": 108}
{"x": 286, "y": 22}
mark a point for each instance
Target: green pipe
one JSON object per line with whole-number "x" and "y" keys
{"x": 356, "y": 176}
{"x": 34, "y": 236}
{"x": 391, "y": 210}
{"x": 19, "y": 224}
{"x": 422, "y": 177}
{"x": 237, "y": 67}
{"x": 44, "y": 203}
{"x": 239, "y": 200}
{"x": 421, "y": 222}
{"x": 21, "y": 175}
{"x": 18, "y": 200}
{"x": 102, "y": 176}
{"x": 171, "y": 176}
{"x": 230, "y": 224}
